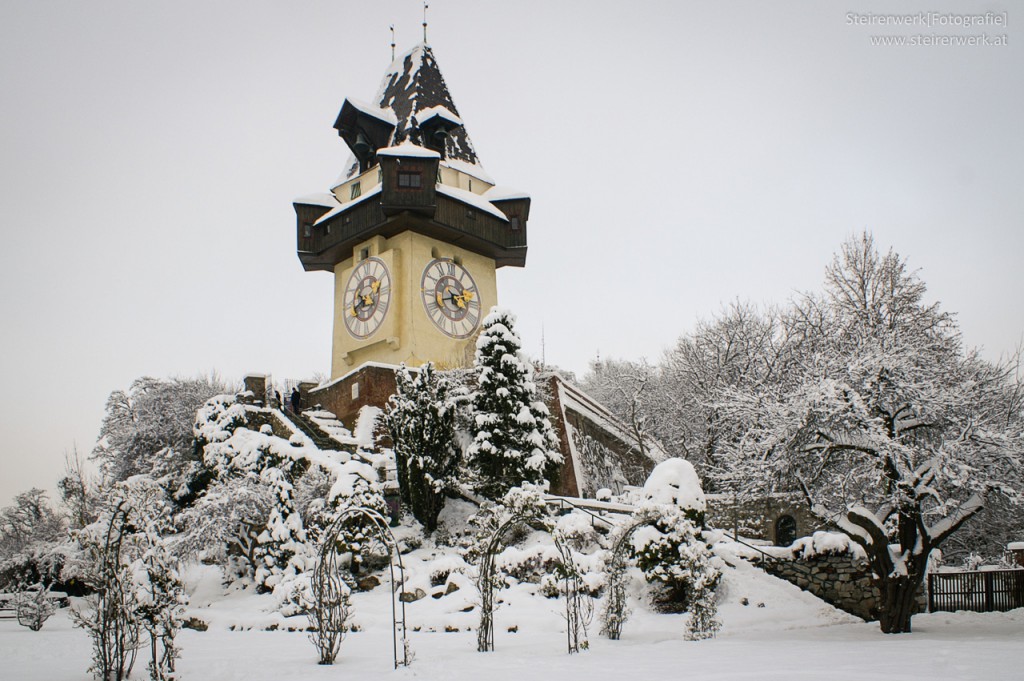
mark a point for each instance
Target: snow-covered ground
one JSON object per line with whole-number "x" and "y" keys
{"x": 793, "y": 636}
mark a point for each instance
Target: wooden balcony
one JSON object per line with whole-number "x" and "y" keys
{"x": 402, "y": 203}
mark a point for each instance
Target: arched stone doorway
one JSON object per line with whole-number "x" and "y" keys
{"x": 785, "y": 530}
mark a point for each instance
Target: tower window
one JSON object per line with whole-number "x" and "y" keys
{"x": 409, "y": 179}
{"x": 357, "y": 190}
{"x": 307, "y": 230}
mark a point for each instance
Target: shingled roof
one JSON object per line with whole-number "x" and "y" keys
{"x": 415, "y": 93}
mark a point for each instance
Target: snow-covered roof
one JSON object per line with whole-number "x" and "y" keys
{"x": 504, "y": 194}
{"x": 469, "y": 198}
{"x": 385, "y": 115}
{"x": 407, "y": 148}
{"x": 474, "y": 169}
{"x": 438, "y": 111}
{"x": 347, "y": 205}
{"x": 325, "y": 199}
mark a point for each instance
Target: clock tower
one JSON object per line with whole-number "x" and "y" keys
{"x": 413, "y": 230}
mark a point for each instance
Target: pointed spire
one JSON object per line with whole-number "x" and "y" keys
{"x": 414, "y": 89}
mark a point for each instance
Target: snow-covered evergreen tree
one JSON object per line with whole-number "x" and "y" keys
{"x": 514, "y": 441}
{"x": 421, "y": 423}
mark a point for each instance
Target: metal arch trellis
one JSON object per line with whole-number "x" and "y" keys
{"x": 327, "y": 584}
{"x": 574, "y": 610}
{"x": 118, "y": 633}
{"x": 615, "y": 612}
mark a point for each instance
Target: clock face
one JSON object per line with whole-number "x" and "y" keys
{"x": 450, "y": 298}
{"x": 367, "y": 295}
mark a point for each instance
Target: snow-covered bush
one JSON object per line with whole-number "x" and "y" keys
{"x": 825, "y": 544}
{"x": 442, "y": 568}
{"x": 666, "y": 542}
{"x": 668, "y": 546}
{"x": 224, "y": 523}
{"x": 33, "y": 607}
{"x": 328, "y": 607}
{"x": 525, "y": 507}
{"x": 252, "y": 493}
{"x": 32, "y": 546}
{"x": 126, "y": 560}
{"x": 420, "y": 421}
{"x": 160, "y": 598}
{"x": 674, "y": 482}
{"x": 513, "y": 438}
{"x": 577, "y": 531}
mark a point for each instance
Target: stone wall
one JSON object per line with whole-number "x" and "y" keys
{"x": 344, "y": 397}
{"x": 840, "y": 578}
{"x": 597, "y": 449}
{"x": 759, "y": 518}
{"x": 257, "y": 385}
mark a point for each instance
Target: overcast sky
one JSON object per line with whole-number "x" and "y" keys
{"x": 680, "y": 155}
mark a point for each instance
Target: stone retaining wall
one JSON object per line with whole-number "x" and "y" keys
{"x": 840, "y": 579}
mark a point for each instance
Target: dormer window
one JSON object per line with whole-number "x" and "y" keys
{"x": 410, "y": 179}
{"x": 356, "y": 191}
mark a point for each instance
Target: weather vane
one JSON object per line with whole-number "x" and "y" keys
{"x": 425, "y": 6}
{"x": 392, "y": 42}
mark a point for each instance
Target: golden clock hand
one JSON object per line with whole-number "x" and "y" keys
{"x": 375, "y": 285}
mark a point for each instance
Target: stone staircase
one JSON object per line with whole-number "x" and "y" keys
{"x": 321, "y": 439}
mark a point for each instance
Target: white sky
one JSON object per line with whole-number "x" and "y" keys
{"x": 680, "y": 155}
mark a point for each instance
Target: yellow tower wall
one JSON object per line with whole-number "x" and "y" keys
{"x": 407, "y": 334}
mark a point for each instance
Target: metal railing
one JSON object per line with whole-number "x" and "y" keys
{"x": 977, "y": 591}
